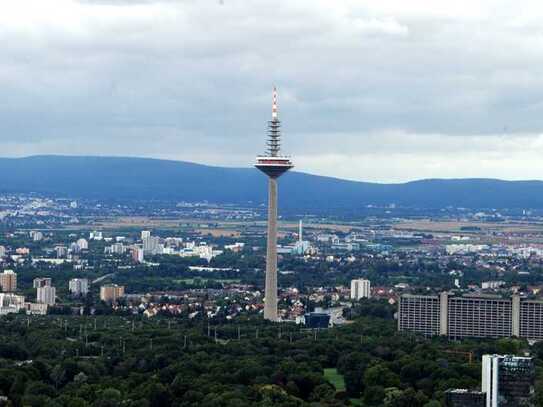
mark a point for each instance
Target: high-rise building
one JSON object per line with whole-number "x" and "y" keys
{"x": 96, "y": 235}
{"x": 111, "y": 292}
{"x": 8, "y": 281}
{"x": 273, "y": 165}
{"x": 83, "y": 244}
{"x": 41, "y": 282}
{"x": 137, "y": 254}
{"x": 46, "y": 295}
{"x": 145, "y": 234}
{"x": 36, "y": 235}
{"x": 2, "y": 251}
{"x": 62, "y": 251}
{"x": 484, "y": 316}
{"x": 360, "y": 289}
{"x": 507, "y": 380}
{"x": 152, "y": 246}
{"x": 79, "y": 286}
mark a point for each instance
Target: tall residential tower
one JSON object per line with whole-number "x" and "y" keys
{"x": 273, "y": 165}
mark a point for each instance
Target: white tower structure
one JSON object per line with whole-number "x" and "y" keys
{"x": 273, "y": 165}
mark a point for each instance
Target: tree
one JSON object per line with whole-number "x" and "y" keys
{"x": 380, "y": 375}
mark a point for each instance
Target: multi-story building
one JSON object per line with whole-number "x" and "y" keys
{"x": 2, "y": 251}
{"x": 79, "y": 286}
{"x": 41, "y": 282}
{"x": 360, "y": 289}
{"x": 46, "y": 295}
{"x": 137, "y": 254}
{"x": 152, "y": 246}
{"x": 117, "y": 248}
{"x": 83, "y": 244}
{"x": 507, "y": 380}
{"x": 10, "y": 303}
{"x": 36, "y": 235}
{"x": 111, "y": 292}
{"x": 34, "y": 308}
{"x": 471, "y": 316}
{"x": 8, "y": 281}
{"x": 96, "y": 235}
{"x": 74, "y": 248}
{"x": 464, "y": 398}
{"x": 62, "y": 251}
{"x": 419, "y": 313}
{"x": 145, "y": 234}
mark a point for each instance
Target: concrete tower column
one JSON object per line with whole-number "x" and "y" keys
{"x": 270, "y": 305}
{"x": 515, "y": 315}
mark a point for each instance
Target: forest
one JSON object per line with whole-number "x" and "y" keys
{"x": 109, "y": 361}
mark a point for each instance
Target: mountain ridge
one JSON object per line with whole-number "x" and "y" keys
{"x": 110, "y": 177}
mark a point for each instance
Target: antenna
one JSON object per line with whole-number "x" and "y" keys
{"x": 274, "y": 131}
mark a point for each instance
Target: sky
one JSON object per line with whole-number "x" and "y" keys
{"x": 385, "y": 91}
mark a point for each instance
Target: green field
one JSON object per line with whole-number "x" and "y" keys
{"x": 335, "y": 378}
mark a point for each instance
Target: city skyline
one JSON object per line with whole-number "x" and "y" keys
{"x": 379, "y": 92}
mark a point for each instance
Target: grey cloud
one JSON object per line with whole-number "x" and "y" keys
{"x": 195, "y": 77}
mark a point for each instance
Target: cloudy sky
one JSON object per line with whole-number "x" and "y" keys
{"x": 380, "y": 90}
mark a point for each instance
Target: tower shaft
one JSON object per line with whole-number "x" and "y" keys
{"x": 273, "y": 164}
{"x": 270, "y": 305}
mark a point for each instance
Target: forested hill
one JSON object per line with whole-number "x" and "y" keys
{"x": 142, "y": 178}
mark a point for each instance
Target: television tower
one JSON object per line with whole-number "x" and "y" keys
{"x": 273, "y": 165}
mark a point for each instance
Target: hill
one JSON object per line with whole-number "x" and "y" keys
{"x": 150, "y": 179}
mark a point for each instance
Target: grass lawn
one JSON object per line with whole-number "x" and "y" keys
{"x": 335, "y": 378}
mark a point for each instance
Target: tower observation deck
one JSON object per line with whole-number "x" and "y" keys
{"x": 273, "y": 165}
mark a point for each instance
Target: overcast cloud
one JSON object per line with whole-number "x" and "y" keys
{"x": 382, "y": 91}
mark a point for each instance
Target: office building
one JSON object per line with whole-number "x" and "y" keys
{"x": 273, "y": 165}
{"x": 137, "y": 255}
{"x": 41, "y": 282}
{"x": 111, "y": 292}
{"x": 11, "y": 303}
{"x": 483, "y": 316}
{"x": 145, "y": 234}
{"x": 83, "y": 244}
{"x": 507, "y": 380}
{"x": 79, "y": 286}
{"x": 46, "y": 295}
{"x": 2, "y": 251}
{"x": 74, "y": 248}
{"x": 62, "y": 251}
{"x": 8, "y": 281}
{"x": 464, "y": 398}
{"x": 95, "y": 235}
{"x": 117, "y": 248}
{"x": 317, "y": 320}
{"x": 360, "y": 289}
{"x": 36, "y": 235}
{"x": 152, "y": 246}
{"x": 33, "y": 308}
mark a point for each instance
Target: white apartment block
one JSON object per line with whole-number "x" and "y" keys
{"x": 46, "y": 295}
{"x": 360, "y": 289}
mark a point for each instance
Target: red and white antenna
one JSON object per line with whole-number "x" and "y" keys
{"x": 274, "y": 104}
